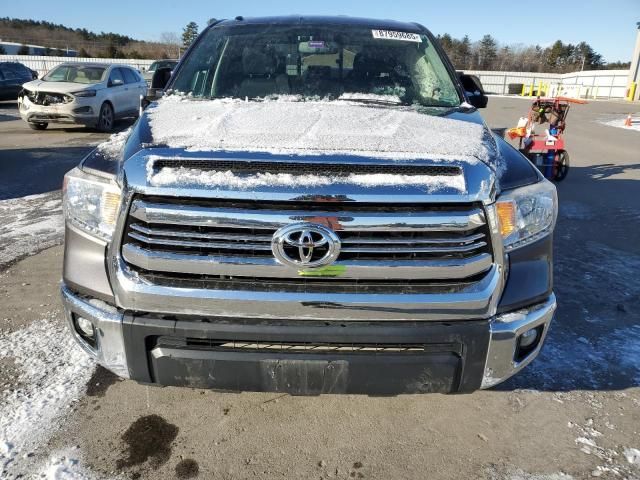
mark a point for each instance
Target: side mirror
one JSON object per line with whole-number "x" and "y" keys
{"x": 161, "y": 77}
{"x": 160, "y": 80}
{"x": 474, "y": 90}
{"x": 116, "y": 82}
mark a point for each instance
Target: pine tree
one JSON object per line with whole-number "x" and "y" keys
{"x": 189, "y": 34}
{"x": 487, "y": 52}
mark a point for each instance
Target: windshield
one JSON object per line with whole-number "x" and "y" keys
{"x": 162, "y": 64}
{"x": 354, "y": 63}
{"x": 75, "y": 74}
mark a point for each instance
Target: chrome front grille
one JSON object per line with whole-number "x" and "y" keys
{"x": 222, "y": 240}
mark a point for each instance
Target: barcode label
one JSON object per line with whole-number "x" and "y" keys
{"x": 402, "y": 36}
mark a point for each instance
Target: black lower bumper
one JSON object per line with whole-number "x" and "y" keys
{"x": 308, "y": 358}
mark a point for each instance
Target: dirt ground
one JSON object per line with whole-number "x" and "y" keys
{"x": 574, "y": 413}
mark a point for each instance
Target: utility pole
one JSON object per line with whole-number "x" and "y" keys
{"x": 634, "y": 71}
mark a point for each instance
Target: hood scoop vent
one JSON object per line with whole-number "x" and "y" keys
{"x": 244, "y": 167}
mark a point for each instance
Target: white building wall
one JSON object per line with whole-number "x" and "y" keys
{"x": 587, "y": 84}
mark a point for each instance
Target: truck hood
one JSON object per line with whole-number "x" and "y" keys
{"x": 286, "y": 127}
{"x": 202, "y": 148}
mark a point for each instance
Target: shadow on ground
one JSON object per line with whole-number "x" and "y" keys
{"x": 594, "y": 342}
{"x": 31, "y": 171}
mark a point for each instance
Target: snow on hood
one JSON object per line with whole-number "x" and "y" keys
{"x": 220, "y": 179}
{"x": 325, "y": 127}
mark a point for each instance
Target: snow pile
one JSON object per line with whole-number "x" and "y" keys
{"x": 632, "y": 455}
{"x": 168, "y": 176}
{"x": 315, "y": 127}
{"x": 65, "y": 466}
{"x": 29, "y": 224}
{"x": 53, "y": 372}
{"x": 619, "y": 122}
{"x": 113, "y": 147}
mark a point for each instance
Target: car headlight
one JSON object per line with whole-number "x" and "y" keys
{"x": 84, "y": 93}
{"x": 527, "y": 214}
{"x": 91, "y": 203}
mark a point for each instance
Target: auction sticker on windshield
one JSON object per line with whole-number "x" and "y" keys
{"x": 392, "y": 35}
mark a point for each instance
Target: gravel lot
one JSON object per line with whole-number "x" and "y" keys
{"x": 573, "y": 414}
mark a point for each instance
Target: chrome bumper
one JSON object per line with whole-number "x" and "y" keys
{"x": 500, "y": 364}
{"x": 505, "y": 331}
{"x": 107, "y": 321}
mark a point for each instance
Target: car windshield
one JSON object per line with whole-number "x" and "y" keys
{"x": 334, "y": 62}
{"x": 75, "y": 74}
{"x": 162, "y": 64}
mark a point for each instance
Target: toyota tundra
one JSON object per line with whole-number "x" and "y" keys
{"x": 310, "y": 205}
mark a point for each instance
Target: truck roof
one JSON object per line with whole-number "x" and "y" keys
{"x": 343, "y": 20}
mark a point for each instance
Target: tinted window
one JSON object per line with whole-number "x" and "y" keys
{"x": 10, "y": 74}
{"x": 18, "y": 68}
{"x": 129, "y": 75}
{"x": 1, "y": 74}
{"x": 115, "y": 77}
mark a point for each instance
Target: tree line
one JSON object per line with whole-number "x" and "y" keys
{"x": 56, "y": 38}
{"x": 488, "y": 54}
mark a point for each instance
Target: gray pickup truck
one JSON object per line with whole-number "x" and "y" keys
{"x": 314, "y": 205}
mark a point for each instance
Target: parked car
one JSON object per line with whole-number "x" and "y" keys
{"x": 12, "y": 76}
{"x": 313, "y": 206}
{"x": 91, "y": 94}
{"x": 148, "y": 74}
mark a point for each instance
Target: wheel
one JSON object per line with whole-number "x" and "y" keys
{"x": 105, "y": 119}
{"x": 38, "y": 126}
{"x": 561, "y": 165}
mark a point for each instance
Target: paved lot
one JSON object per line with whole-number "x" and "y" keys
{"x": 575, "y": 413}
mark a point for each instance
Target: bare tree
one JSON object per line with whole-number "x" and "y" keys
{"x": 172, "y": 39}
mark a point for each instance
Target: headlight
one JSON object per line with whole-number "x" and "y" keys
{"x": 91, "y": 203}
{"x": 84, "y": 93}
{"x": 527, "y": 214}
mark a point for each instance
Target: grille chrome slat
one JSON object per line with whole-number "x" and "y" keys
{"x": 223, "y": 239}
{"x": 203, "y": 245}
{"x": 411, "y": 241}
{"x": 447, "y": 221}
{"x": 207, "y": 236}
{"x": 269, "y": 267}
{"x": 411, "y": 249}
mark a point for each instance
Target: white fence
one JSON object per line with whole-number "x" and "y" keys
{"x": 588, "y": 84}
{"x": 42, "y": 64}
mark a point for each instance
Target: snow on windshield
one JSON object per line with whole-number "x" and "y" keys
{"x": 282, "y": 126}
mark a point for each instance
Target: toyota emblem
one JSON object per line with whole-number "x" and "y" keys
{"x": 305, "y": 245}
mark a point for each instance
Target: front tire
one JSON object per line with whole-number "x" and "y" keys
{"x": 106, "y": 118}
{"x": 561, "y": 165}
{"x": 38, "y": 126}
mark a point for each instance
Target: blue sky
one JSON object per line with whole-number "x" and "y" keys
{"x": 610, "y": 27}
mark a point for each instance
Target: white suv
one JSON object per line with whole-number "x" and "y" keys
{"x": 91, "y": 94}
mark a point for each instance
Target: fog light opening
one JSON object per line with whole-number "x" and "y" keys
{"x": 86, "y": 330}
{"x": 528, "y": 342}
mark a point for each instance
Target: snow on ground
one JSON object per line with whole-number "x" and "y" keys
{"x": 52, "y": 373}
{"x": 66, "y": 466}
{"x": 168, "y": 176}
{"x": 29, "y": 224}
{"x": 320, "y": 127}
{"x": 619, "y": 122}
